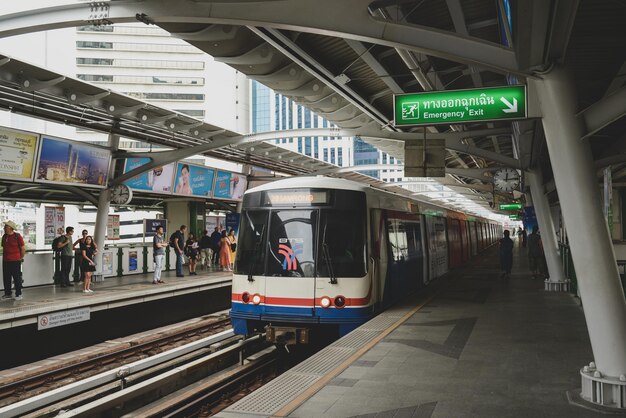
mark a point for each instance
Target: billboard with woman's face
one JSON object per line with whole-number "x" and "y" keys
{"x": 157, "y": 180}
{"x": 193, "y": 180}
{"x": 62, "y": 161}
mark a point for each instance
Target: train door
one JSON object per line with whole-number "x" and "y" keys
{"x": 290, "y": 269}
{"x": 465, "y": 245}
{"x": 473, "y": 238}
{"x": 437, "y": 246}
{"x": 454, "y": 243}
{"x": 405, "y": 255}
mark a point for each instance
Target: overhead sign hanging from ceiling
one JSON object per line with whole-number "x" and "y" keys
{"x": 454, "y": 106}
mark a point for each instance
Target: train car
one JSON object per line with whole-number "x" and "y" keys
{"x": 322, "y": 255}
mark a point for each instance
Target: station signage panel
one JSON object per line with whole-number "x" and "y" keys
{"x": 510, "y": 206}
{"x": 458, "y": 106}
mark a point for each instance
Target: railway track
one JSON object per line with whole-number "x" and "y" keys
{"x": 28, "y": 385}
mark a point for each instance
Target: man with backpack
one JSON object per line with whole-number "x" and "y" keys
{"x": 13, "y": 250}
{"x": 177, "y": 242}
{"x": 67, "y": 256}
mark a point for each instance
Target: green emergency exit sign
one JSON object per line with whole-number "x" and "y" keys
{"x": 510, "y": 206}
{"x": 456, "y": 106}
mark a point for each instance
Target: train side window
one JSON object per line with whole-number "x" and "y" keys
{"x": 414, "y": 239}
{"x": 397, "y": 236}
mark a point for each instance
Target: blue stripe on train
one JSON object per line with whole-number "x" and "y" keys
{"x": 346, "y": 318}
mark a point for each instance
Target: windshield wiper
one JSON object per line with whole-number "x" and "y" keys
{"x": 329, "y": 264}
{"x": 255, "y": 255}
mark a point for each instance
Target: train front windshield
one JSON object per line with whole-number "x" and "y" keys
{"x": 288, "y": 235}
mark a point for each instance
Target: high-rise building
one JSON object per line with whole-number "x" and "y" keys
{"x": 271, "y": 111}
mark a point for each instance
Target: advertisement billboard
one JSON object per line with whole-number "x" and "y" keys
{"x": 113, "y": 227}
{"x": 229, "y": 185}
{"x": 17, "y": 154}
{"x": 68, "y": 162}
{"x": 193, "y": 180}
{"x": 54, "y": 224}
{"x": 157, "y": 180}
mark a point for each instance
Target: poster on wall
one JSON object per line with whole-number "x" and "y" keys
{"x": 214, "y": 221}
{"x": 54, "y": 224}
{"x": 62, "y": 161}
{"x": 229, "y": 185}
{"x": 132, "y": 261}
{"x": 17, "y": 154}
{"x": 157, "y": 180}
{"x": 107, "y": 262}
{"x": 232, "y": 222}
{"x": 193, "y": 180}
{"x": 113, "y": 227}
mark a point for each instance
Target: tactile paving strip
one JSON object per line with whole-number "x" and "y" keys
{"x": 272, "y": 397}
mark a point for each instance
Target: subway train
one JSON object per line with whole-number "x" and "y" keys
{"x": 319, "y": 255}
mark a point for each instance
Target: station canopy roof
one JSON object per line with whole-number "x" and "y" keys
{"x": 345, "y": 61}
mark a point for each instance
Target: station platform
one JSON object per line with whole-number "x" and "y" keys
{"x": 66, "y": 318}
{"x": 471, "y": 345}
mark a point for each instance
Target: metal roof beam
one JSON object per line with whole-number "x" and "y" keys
{"x": 604, "y": 112}
{"x": 312, "y": 16}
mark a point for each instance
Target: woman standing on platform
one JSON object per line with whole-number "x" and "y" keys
{"x": 191, "y": 251}
{"x": 88, "y": 265}
{"x": 233, "y": 247}
{"x": 225, "y": 252}
{"x": 506, "y": 255}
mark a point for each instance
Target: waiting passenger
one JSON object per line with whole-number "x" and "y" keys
{"x": 67, "y": 255}
{"x": 216, "y": 236}
{"x": 225, "y": 252}
{"x": 158, "y": 248}
{"x": 191, "y": 251}
{"x": 506, "y": 255}
{"x": 13, "y": 250}
{"x": 205, "y": 245}
{"x": 88, "y": 265}
{"x": 177, "y": 241}
{"x": 233, "y": 247}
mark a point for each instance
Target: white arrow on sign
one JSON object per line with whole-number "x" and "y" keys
{"x": 511, "y": 108}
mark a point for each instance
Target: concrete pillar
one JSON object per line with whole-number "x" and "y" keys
{"x": 104, "y": 204}
{"x": 548, "y": 235}
{"x": 592, "y": 249}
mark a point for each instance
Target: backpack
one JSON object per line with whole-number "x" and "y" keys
{"x": 173, "y": 238}
{"x": 55, "y": 243}
{"x": 5, "y": 239}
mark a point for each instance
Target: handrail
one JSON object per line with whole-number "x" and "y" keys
{"x": 106, "y": 247}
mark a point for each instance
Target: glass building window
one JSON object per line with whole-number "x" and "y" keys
{"x": 326, "y": 154}
{"x": 132, "y": 63}
{"x": 332, "y": 156}
{"x": 130, "y": 79}
{"x": 166, "y": 96}
{"x": 340, "y": 157}
{"x": 196, "y": 113}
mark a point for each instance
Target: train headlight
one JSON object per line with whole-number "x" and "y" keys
{"x": 340, "y": 301}
{"x": 245, "y": 297}
{"x": 256, "y": 299}
{"x": 325, "y": 302}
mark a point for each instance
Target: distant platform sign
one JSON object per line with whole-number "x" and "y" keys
{"x": 58, "y": 319}
{"x": 456, "y": 106}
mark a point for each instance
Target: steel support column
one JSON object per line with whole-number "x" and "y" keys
{"x": 557, "y": 280}
{"x": 603, "y": 381}
{"x": 104, "y": 203}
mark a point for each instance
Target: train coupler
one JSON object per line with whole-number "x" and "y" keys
{"x": 286, "y": 335}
